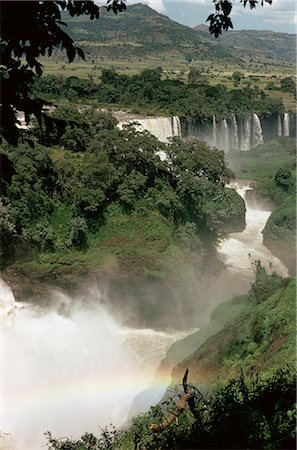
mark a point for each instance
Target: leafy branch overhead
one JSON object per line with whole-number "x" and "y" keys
{"x": 29, "y": 30}
{"x": 220, "y": 20}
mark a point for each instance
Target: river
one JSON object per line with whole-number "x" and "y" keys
{"x": 72, "y": 368}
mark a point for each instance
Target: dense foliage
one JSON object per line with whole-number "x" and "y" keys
{"x": 245, "y": 413}
{"x": 148, "y": 91}
{"x": 63, "y": 184}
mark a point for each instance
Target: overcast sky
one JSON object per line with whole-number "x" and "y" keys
{"x": 280, "y": 16}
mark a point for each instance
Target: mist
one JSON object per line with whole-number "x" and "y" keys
{"x": 71, "y": 368}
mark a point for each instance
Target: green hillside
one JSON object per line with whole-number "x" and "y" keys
{"x": 121, "y": 37}
{"x": 262, "y": 44}
{"x": 262, "y": 338}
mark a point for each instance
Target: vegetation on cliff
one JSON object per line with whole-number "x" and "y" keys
{"x": 88, "y": 195}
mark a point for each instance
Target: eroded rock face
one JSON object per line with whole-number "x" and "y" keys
{"x": 285, "y": 251}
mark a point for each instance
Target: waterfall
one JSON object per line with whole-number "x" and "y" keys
{"x": 163, "y": 128}
{"x": 176, "y": 126}
{"x": 279, "y": 126}
{"x": 234, "y": 133}
{"x": 223, "y": 136}
{"x": 214, "y": 131}
{"x": 246, "y": 135}
{"x": 286, "y": 124}
{"x": 257, "y": 131}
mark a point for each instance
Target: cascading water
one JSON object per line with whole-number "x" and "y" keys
{"x": 163, "y": 128}
{"x": 257, "y": 131}
{"x": 176, "y": 126}
{"x": 225, "y": 142}
{"x": 286, "y": 126}
{"x": 239, "y": 252}
{"x": 214, "y": 131}
{"x": 71, "y": 368}
{"x": 230, "y": 133}
{"x": 279, "y": 126}
{"x": 246, "y": 136}
{"x": 242, "y": 249}
{"x": 234, "y": 133}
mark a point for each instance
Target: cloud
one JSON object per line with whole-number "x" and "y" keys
{"x": 157, "y": 5}
{"x": 280, "y": 11}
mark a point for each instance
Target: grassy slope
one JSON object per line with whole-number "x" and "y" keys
{"x": 131, "y": 242}
{"x": 261, "y": 163}
{"x": 218, "y": 319}
{"x": 261, "y": 338}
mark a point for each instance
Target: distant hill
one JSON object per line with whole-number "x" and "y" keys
{"x": 202, "y": 28}
{"x": 262, "y": 43}
{"x": 141, "y": 32}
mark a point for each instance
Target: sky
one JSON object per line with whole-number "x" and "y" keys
{"x": 280, "y": 16}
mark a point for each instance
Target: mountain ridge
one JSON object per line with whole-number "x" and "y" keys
{"x": 157, "y": 35}
{"x": 141, "y": 32}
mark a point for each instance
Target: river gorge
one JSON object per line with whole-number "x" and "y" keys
{"x": 73, "y": 366}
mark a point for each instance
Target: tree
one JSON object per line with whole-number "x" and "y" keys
{"x": 237, "y": 76}
{"x": 29, "y": 30}
{"x": 195, "y": 76}
{"x": 287, "y": 84}
{"x": 220, "y": 20}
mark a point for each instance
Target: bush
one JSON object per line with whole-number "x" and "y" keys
{"x": 264, "y": 285}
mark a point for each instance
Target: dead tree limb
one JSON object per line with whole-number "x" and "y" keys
{"x": 191, "y": 395}
{"x": 180, "y": 408}
{"x": 191, "y": 401}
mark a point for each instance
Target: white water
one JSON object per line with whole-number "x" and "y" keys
{"x": 214, "y": 131}
{"x": 246, "y": 137}
{"x": 286, "y": 124}
{"x": 279, "y": 126}
{"x": 163, "y": 128}
{"x": 239, "y": 252}
{"x": 242, "y": 249}
{"x": 227, "y": 134}
{"x": 257, "y": 131}
{"x": 224, "y": 141}
{"x": 234, "y": 134}
{"x": 72, "y": 368}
